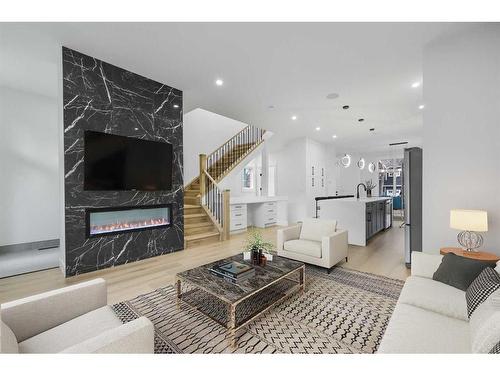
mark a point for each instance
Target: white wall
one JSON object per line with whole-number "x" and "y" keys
{"x": 29, "y": 167}
{"x": 204, "y": 132}
{"x": 461, "y": 134}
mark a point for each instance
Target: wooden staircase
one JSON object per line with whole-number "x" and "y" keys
{"x": 206, "y": 206}
{"x": 198, "y": 226}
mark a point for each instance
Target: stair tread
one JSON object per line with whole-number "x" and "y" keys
{"x": 190, "y": 216}
{"x": 201, "y": 236}
{"x": 191, "y": 206}
{"x": 198, "y": 225}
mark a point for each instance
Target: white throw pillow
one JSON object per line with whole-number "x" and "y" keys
{"x": 316, "y": 229}
{"x": 424, "y": 264}
{"x": 8, "y": 341}
{"x": 485, "y": 324}
{"x": 497, "y": 268}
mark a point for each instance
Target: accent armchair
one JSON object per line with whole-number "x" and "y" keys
{"x": 74, "y": 319}
{"x": 314, "y": 241}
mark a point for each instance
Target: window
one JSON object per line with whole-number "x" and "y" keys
{"x": 248, "y": 178}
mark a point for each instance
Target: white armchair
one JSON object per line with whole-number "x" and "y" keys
{"x": 314, "y": 241}
{"x": 74, "y": 319}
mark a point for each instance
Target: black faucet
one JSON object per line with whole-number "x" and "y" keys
{"x": 357, "y": 189}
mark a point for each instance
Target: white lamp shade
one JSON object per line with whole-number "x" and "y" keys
{"x": 471, "y": 220}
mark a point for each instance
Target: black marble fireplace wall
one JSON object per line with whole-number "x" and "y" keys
{"x": 101, "y": 97}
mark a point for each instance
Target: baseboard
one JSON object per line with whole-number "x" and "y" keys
{"x": 37, "y": 245}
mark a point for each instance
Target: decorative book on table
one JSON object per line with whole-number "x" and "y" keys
{"x": 233, "y": 271}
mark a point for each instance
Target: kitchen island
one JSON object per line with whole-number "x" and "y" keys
{"x": 363, "y": 218}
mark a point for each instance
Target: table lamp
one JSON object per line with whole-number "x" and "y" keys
{"x": 469, "y": 222}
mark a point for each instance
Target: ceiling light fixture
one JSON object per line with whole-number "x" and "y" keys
{"x": 219, "y": 82}
{"x": 361, "y": 163}
{"x": 371, "y": 167}
{"x": 318, "y": 128}
{"x": 361, "y": 119}
{"x": 345, "y": 160}
{"x": 345, "y": 107}
{"x": 176, "y": 105}
{"x": 415, "y": 84}
{"x": 294, "y": 117}
{"x": 332, "y": 95}
{"x": 421, "y": 106}
{"x": 334, "y": 136}
{"x": 372, "y": 129}
{"x": 271, "y": 107}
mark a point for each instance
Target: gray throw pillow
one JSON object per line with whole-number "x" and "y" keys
{"x": 458, "y": 271}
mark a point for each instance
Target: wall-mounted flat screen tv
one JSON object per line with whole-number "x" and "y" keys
{"x": 113, "y": 162}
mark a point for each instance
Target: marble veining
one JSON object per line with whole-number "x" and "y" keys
{"x": 102, "y": 97}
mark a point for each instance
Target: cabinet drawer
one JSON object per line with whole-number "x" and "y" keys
{"x": 238, "y": 207}
{"x": 238, "y": 223}
{"x": 270, "y": 211}
{"x": 238, "y": 215}
{"x": 270, "y": 204}
{"x": 237, "y": 226}
{"x": 270, "y": 220}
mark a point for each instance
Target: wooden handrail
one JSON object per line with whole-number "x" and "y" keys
{"x": 211, "y": 179}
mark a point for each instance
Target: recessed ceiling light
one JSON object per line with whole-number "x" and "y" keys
{"x": 219, "y": 82}
{"x": 176, "y": 105}
{"x": 136, "y": 129}
{"x": 421, "y": 106}
{"x": 334, "y": 136}
{"x": 294, "y": 117}
{"x": 271, "y": 107}
{"x": 318, "y": 128}
{"x": 415, "y": 84}
{"x": 361, "y": 119}
{"x": 345, "y": 107}
{"x": 372, "y": 129}
{"x": 332, "y": 95}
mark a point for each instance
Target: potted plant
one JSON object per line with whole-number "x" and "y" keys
{"x": 256, "y": 245}
{"x": 369, "y": 187}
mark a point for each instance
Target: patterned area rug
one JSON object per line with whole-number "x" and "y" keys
{"x": 345, "y": 311}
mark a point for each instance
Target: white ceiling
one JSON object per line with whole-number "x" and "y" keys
{"x": 292, "y": 66}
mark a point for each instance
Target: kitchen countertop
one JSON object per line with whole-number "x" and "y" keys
{"x": 361, "y": 200}
{"x": 255, "y": 199}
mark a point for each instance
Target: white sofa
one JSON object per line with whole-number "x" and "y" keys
{"x": 313, "y": 241}
{"x": 74, "y": 319}
{"x": 431, "y": 317}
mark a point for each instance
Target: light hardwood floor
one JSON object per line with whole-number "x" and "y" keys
{"x": 382, "y": 256}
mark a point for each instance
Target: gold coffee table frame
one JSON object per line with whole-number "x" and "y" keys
{"x": 231, "y": 305}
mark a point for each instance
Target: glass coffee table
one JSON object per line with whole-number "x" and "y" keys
{"x": 235, "y": 305}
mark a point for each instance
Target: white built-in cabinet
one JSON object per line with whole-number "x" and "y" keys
{"x": 258, "y": 212}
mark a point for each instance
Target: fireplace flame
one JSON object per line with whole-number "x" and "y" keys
{"x": 128, "y": 225}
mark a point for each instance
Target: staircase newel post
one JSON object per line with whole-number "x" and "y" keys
{"x": 226, "y": 214}
{"x": 203, "y": 167}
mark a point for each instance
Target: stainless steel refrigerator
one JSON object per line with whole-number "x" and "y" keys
{"x": 412, "y": 201}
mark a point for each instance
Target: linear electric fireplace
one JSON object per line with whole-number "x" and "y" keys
{"x": 113, "y": 220}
